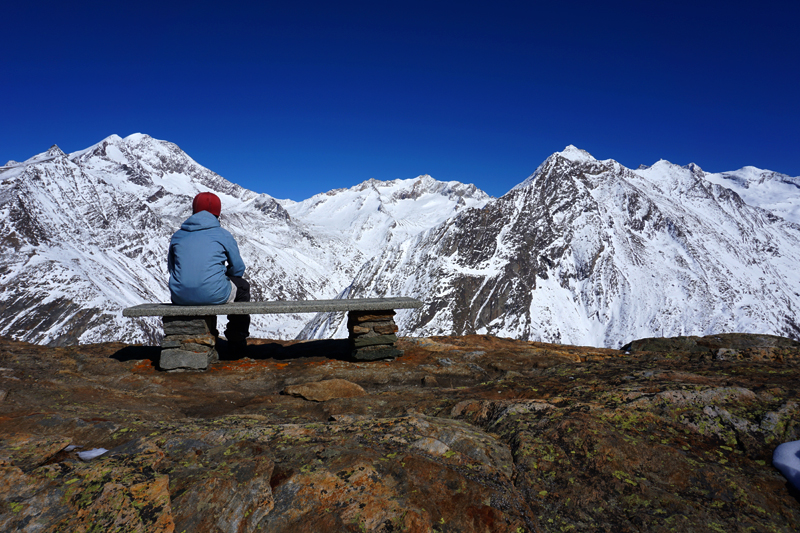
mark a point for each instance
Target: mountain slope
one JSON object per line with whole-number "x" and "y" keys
{"x": 84, "y": 235}
{"x": 582, "y": 252}
{"x": 590, "y": 252}
{"x": 377, "y": 214}
{"x": 773, "y": 191}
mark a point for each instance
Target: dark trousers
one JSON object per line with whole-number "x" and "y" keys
{"x": 239, "y": 325}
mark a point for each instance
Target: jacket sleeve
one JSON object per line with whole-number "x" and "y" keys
{"x": 235, "y": 264}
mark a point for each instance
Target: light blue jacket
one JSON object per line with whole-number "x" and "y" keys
{"x": 198, "y": 253}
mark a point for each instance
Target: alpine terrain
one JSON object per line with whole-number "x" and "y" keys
{"x": 84, "y": 235}
{"x": 582, "y": 252}
{"x": 590, "y": 252}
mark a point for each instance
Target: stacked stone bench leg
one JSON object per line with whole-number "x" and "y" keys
{"x": 372, "y": 335}
{"x": 189, "y": 343}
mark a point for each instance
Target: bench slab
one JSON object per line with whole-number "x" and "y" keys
{"x": 260, "y": 308}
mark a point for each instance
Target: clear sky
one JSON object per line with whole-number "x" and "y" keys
{"x": 296, "y": 98}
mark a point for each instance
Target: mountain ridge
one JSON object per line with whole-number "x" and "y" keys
{"x": 568, "y": 255}
{"x": 86, "y": 234}
{"x": 602, "y": 237}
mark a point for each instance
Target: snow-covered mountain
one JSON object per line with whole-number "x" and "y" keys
{"x": 775, "y": 192}
{"x": 590, "y": 252}
{"x": 377, "y": 214}
{"x": 583, "y": 251}
{"x": 86, "y": 234}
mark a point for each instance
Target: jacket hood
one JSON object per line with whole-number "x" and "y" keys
{"x": 200, "y": 221}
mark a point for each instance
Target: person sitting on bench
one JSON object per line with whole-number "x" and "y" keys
{"x": 205, "y": 267}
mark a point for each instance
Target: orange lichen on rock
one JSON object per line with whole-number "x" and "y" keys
{"x": 471, "y": 433}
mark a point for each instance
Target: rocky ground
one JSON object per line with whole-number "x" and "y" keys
{"x": 470, "y": 433}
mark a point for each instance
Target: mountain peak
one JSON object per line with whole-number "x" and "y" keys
{"x": 136, "y": 137}
{"x": 54, "y": 151}
{"x": 692, "y": 167}
{"x": 570, "y": 153}
{"x": 575, "y": 154}
{"x": 112, "y": 139}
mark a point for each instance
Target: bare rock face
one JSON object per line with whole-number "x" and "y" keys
{"x": 466, "y": 434}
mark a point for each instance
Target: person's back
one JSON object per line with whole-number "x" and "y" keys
{"x": 205, "y": 267}
{"x": 198, "y": 254}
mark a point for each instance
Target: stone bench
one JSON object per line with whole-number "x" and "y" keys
{"x": 190, "y": 330}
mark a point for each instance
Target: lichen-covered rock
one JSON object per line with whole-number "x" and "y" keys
{"x": 376, "y": 352}
{"x": 107, "y": 495}
{"x": 460, "y": 434}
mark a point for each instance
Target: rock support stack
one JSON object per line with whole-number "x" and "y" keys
{"x": 372, "y": 335}
{"x": 189, "y": 343}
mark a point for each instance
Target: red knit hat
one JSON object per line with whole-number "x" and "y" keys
{"x": 207, "y": 201}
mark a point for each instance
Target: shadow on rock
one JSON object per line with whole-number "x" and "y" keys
{"x": 793, "y": 492}
{"x": 338, "y": 349}
{"x": 136, "y": 353}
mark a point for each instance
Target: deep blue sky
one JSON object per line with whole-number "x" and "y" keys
{"x": 296, "y": 98}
